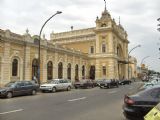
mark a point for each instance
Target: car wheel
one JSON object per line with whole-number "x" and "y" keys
{"x": 53, "y": 90}
{"x": 42, "y": 91}
{"x": 76, "y": 87}
{"x": 34, "y": 92}
{"x": 68, "y": 88}
{"x": 9, "y": 95}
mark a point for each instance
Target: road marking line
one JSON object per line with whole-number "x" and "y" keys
{"x": 11, "y": 111}
{"x": 112, "y": 92}
{"x": 77, "y": 99}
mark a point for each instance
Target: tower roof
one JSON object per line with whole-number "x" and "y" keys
{"x": 105, "y": 13}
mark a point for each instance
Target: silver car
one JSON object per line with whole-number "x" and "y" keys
{"x": 56, "y": 84}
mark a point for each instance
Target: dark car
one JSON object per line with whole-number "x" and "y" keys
{"x": 124, "y": 82}
{"x": 17, "y": 88}
{"x": 108, "y": 84}
{"x": 138, "y": 104}
{"x": 99, "y": 81}
{"x": 86, "y": 83}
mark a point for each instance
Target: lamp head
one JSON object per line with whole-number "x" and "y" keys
{"x": 139, "y": 45}
{"x": 59, "y": 12}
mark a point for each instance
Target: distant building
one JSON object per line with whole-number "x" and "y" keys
{"x": 95, "y": 53}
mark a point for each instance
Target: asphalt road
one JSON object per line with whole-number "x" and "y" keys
{"x": 81, "y": 104}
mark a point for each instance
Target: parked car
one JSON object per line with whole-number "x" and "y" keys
{"x": 56, "y": 84}
{"x": 17, "y": 88}
{"x": 86, "y": 83}
{"x": 138, "y": 104}
{"x": 146, "y": 86}
{"x": 99, "y": 81}
{"x": 150, "y": 84}
{"x": 108, "y": 84}
{"x": 124, "y": 82}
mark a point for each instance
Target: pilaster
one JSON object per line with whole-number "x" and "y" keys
{"x": 44, "y": 66}
{"x": 97, "y": 44}
{"x": 97, "y": 70}
{"x": 80, "y": 69}
{"x": 110, "y": 43}
{"x": 65, "y": 67}
{"x": 55, "y": 68}
{"x": 27, "y": 68}
{"x": 111, "y": 69}
{"x": 6, "y": 71}
{"x": 73, "y": 70}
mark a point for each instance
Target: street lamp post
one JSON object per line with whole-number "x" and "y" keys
{"x": 128, "y": 57}
{"x": 39, "y": 60}
{"x": 142, "y": 63}
{"x": 144, "y": 59}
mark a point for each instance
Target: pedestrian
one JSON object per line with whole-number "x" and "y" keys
{"x": 35, "y": 79}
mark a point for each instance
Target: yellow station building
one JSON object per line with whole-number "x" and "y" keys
{"x": 97, "y": 52}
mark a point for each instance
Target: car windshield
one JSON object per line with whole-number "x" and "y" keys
{"x": 11, "y": 84}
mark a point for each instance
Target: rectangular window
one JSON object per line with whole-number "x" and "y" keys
{"x": 104, "y": 71}
{"x": 103, "y": 48}
{"x": 92, "y": 49}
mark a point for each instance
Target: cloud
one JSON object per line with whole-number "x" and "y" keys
{"x": 138, "y": 17}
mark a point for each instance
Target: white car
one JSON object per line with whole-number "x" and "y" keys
{"x": 56, "y": 84}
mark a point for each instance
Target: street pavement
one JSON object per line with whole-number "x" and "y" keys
{"x": 80, "y": 104}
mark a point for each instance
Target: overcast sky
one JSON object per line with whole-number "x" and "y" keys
{"x": 138, "y": 17}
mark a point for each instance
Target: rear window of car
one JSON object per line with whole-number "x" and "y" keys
{"x": 11, "y": 84}
{"x": 151, "y": 91}
{"x": 28, "y": 83}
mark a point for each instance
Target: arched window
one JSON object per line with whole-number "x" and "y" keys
{"x": 35, "y": 68}
{"x": 83, "y": 71}
{"x": 76, "y": 73}
{"x": 103, "y": 47}
{"x": 92, "y": 72}
{"x": 104, "y": 70}
{"x": 117, "y": 51}
{"x": 49, "y": 70}
{"x": 60, "y": 70}
{"x": 0, "y": 66}
{"x": 103, "y": 25}
{"x": 15, "y": 67}
{"x": 69, "y": 71}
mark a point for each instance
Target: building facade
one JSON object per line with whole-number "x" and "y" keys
{"x": 95, "y": 53}
{"x": 106, "y": 46}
